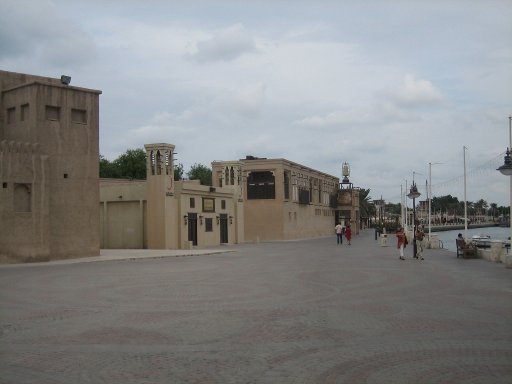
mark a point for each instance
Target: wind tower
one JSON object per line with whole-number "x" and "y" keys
{"x": 161, "y": 207}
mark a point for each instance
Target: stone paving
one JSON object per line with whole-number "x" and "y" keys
{"x": 305, "y": 311}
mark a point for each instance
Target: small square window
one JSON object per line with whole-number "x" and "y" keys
{"x": 4, "y": 185}
{"x": 52, "y": 113}
{"x": 192, "y": 202}
{"x": 79, "y": 116}
{"x": 223, "y": 204}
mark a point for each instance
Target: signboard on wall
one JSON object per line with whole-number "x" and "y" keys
{"x": 345, "y": 197}
{"x": 208, "y": 204}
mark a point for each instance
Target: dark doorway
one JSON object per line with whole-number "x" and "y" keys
{"x": 223, "y": 228}
{"x": 192, "y": 228}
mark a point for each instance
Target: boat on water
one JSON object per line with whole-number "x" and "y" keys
{"x": 481, "y": 240}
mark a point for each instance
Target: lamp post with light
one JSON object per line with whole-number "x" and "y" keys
{"x": 506, "y": 169}
{"x": 414, "y": 194}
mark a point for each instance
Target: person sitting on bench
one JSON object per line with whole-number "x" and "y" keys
{"x": 467, "y": 249}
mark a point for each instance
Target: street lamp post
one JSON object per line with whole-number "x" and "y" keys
{"x": 414, "y": 194}
{"x": 429, "y": 192}
{"x": 506, "y": 169}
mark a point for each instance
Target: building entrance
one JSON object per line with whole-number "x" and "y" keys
{"x": 223, "y": 228}
{"x": 192, "y": 228}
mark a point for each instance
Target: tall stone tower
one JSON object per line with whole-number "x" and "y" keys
{"x": 162, "y": 206}
{"x": 49, "y": 151}
{"x": 230, "y": 174}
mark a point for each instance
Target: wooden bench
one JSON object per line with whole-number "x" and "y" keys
{"x": 465, "y": 253}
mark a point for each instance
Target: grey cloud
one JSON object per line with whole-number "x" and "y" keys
{"x": 38, "y": 30}
{"x": 414, "y": 93}
{"x": 225, "y": 45}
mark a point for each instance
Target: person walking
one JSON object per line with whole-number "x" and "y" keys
{"x": 339, "y": 233}
{"x": 348, "y": 234}
{"x": 420, "y": 245}
{"x": 401, "y": 242}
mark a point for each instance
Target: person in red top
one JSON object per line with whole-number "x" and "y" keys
{"x": 402, "y": 242}
{"x": 348, "y": 234}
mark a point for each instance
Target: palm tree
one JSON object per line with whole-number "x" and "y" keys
{"x": 492, "y": 210}
{"x": 480, "y": 206}
{"x": 366, "y": 208}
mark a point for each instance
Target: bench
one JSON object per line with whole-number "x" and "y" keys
{"x": 465, "y": 253}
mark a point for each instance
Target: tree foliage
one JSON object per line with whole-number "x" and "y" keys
{"x": 200, "y": 172}
{"x": 178, "y": 172}
{"x": 108, "y": 169}
{"x": 366, "y": 208}
{"x": 452, "y": 205}
{"x": 131, "y": 165}
{"x": 393, "y": 208}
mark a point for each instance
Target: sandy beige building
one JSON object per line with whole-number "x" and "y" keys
{"x": 54, "y": 206}
{"x": 251, "y": 200}
{"x": 282, "y": 200}
{"x": 49, "y": 154}
{"x": 161, "y": 213}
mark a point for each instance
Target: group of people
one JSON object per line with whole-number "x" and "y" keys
{"x": 343, "y": 231}
{"x": 402, "y": 242}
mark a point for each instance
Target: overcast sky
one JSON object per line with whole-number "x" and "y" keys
{"x": 387, "y": 86}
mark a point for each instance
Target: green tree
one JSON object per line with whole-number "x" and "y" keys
{"x": 132, "y": 164}
{"x": 178, "y": 172}
{"x": 200, "y": 172}
{"x": 394, "y": 209}
{"x": 493, "y": 209}
{"x": 481, "y": 206}
{"x": 129, "y": 165}
{"x": 366, "y": 208}
{"x": 107, "y": 169}
{"x": 447, "y": 204}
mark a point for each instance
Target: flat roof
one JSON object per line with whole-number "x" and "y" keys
{"x": 37, "y": 82}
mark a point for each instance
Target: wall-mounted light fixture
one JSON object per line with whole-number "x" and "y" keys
{"x": 218, "y": 220}
{"x": 185, "y": 219}
{"x": 200, "y": 220}
{"x": 230, "y": 219}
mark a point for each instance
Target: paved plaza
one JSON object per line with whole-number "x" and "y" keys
{"x": 306, "y": 311}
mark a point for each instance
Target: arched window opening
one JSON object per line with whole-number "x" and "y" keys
{"x": 158, "y": 163}
{"x": 232, "y": 177}
{"x": 167, "y": 161}
{"x": 22, "y": 198}
{"x": 152, "y": 162}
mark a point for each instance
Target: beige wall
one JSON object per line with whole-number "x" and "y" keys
{"x": 123, "y": 213}
{"x": 55, "y": 156}
{"x": 126, "y": 221}
{"x": 187, "y": 190}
